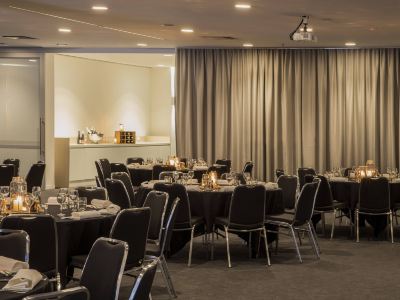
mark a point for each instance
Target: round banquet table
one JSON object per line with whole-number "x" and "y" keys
{"x": 347, "y": 192}
{"x": 41, "y": 287}
{"x": 209, "y": 205}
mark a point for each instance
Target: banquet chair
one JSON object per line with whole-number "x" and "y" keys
{"x": 103, "y": 269}
{"x": 35, "y": 176}
{"x": 248, "y": 167}
{"x": 74, "y": 293}
{"x": 324, "y": 203}
{"x": 184, "y": 220}
{"x": 302, "y": 172}
{"x": 118, "y": 167}
{"x": 279, "y": 172}
{"x": 98, "y": 183}
{"x": 225, "y": 162}
{"x": 131, "y": 226}
{"x": 347, "y": 171}
{"x": 144, "y": 281}
{"x": 218, "y": 169}
{"x": 244, "y": 217}
{"x": 43, "y": 254}
{"x": 6, "y": 174}
{"x": 168, "y": 173}
{"x": 100, "y": 175}
{"x": 300, "y": 221}
{"x": 157, "y": 202}
{"x": 15, "y": 162}
{"x": 134, "y": 160}
{"x": 117, "y": 193}
{"x": 14, "y": 244}
{"x": 157, "y": 169}
{"x": 374, "y": 199}
{"x": 154, "y": 250}
{"x": 92, "y": 192}
{"x": 288, "y": 184}
{"x": 105, "y": 167}
{"x": 126, "y": 180}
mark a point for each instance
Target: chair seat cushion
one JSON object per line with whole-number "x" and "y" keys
{"x": 279, "y": 219}
{"x": 221, "y": 222}
{"x": 335, "y": 205}
{"x": 195, "y": 220}
{"x": 153, "y": 249}
{"x": 373, "y": 211}
{"x": 78, "y": 261}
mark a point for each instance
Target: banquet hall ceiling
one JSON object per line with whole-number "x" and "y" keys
{"x": 216, "y": 23}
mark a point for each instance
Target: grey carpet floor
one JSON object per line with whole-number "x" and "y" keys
{"x": 347, "y": 270}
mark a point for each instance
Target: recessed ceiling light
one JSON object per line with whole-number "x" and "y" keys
{"x": 99, "y": 7}
{"x": 247, "y": 45}
{"x": 61, "y": 44}
{"x": 350, "y": 44}
{"x": 32, "y": 60}
{"x": 187, "y": 30}
{"x": 142, "y": 45}
{"x": 161, "y": 66}
{"x": 168, "y": 55}
{"x": 64, "y": 30}
{"x": 242, "y": 6}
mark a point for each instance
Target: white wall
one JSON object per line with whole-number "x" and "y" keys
{"x": 100, "y": 94}
{"x": 160, "y": 102}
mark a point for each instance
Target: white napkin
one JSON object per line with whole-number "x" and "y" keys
{"x": 11, "y": 265}
{"x": 97, "y": 203}
{"x": 339, "y": 179}
{"x": 193, "y": 181}
{"x": 200, "y": 168}
{"x": 78, "y": 215}
{"x": 52, "y": 200}
{"x": 222, "y": 182}
{"x": 396, "y": 180}
{"x": 23, "y": 281}
{"x": 271, "y": 185}
{"x": 112, "y": 209}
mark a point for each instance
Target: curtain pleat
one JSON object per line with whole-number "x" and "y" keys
{"x": 289, "y": 108}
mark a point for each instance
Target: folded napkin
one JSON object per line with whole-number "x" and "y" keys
{"x": 193, "y": 181}
{"x": 112, "y": 209}
{"x": 78, "y": 215}
{"x": 11, "y": 265}
{"x": 222, "y": 182}
{"x": 200, "y": 168}
{"x": 339, "y": 179}
{"x": 271, "y": 185}
{"x": 23, "y": 281}
{"x": 52, "y": 200}
{"x": 97, "y": 203}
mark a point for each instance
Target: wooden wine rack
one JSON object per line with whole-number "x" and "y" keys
{"x": 125, "y": 137}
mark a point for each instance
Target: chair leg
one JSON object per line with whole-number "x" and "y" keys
{"x": 249, "y": 245}
{"x": 266, "y": 247}
{"x": 191, "y": 246}
{"x": 357, "y": 227}
{"x": 323, "y": 223}
{"x": 391, "y": 226}
{"x": 313, "y": 241}
{"x": 298, "y": 235}
{"x": 227, "y": 247}
{"x": 276, "y": 243}
{"x": 333, "y": 223}
{"x": 296, "y": 245}
{"x": 212, "y": 242}
{"x": 315, "y": 237}
{"x": 167, "y": 277}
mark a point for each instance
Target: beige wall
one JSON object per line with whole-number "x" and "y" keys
{"x": 100, "y": 94}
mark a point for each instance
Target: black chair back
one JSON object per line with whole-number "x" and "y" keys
{"x": 288, "y": 184}
{"x": 347, "y": 171}
{"x": 15, "y": 162}
{"x": 35, "y": 176}
{"x": 176, "y": 190}
{"x": 248, "y": 167}
{"x": 105, "y": 167}
{"x": 118, "y": 167}
{"x": 374, "y": 195}
{"x": 134, "y": 160}
{"x": 247, "y": 207}
{"x": 157, "y": 202}
{"x": 42, "y": 231}
{"x": 92, "y": 192}
{"x": 143, "y": 283}
{"x": 126, "y": 179}
{"x": 117, "y": 193}
{"x": 100, "y": 175}
{"x": 225, "y": 162}
{"x": 157, "y": 169}
{"x": 218, "y": 169}
{"x": 104, "y": 267}
{"x": 14, "y": 244}
{"x": 302, "y": 172}
{"x": 279, "y": 172}
{"x": 74, "y": 293}
{"x": 305, "y": 203}
{"x": 6, "y": 174}
{"x": 169, "y": 226}
{"x": 132, "y": 226}
{"x": 324, "y": 196}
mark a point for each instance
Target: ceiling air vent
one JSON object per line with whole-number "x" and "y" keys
{"x": 218, "y": 37}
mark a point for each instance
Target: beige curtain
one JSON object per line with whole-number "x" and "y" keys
{"x": 287, "y": 108}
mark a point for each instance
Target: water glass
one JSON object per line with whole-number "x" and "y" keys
{"x": 191, "y": 174}
{"x": 82, "y": 203}
{"x": 247, "y": 177}
{"x": 176, "y": 176}
{"x": 4, "y": 190}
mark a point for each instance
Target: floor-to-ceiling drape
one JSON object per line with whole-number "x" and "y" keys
{"x": 287, "y": 108}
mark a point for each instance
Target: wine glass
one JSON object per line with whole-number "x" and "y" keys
{"x": 36, "y": 191}
{"x": 4, "y": 190}
{"x": 247, "y": 176}
{"x": 61, "y": 198}
{"x": 29, "y": 200}
{"x": 74, "y": 196}
{"x": 176, "y": 176}
{"x": 191, "y": 174}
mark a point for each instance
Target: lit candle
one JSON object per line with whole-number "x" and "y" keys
{"x": 17, "y": 204}
{"x": 369, "y": 173}
{"x": 172, "y": 162}
{"x": 213, "y": 178}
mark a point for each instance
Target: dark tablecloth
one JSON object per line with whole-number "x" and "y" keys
{"x": 212, "y": 204}
{"x": 347, "y": 192}
{"x": 41, "y": 287}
